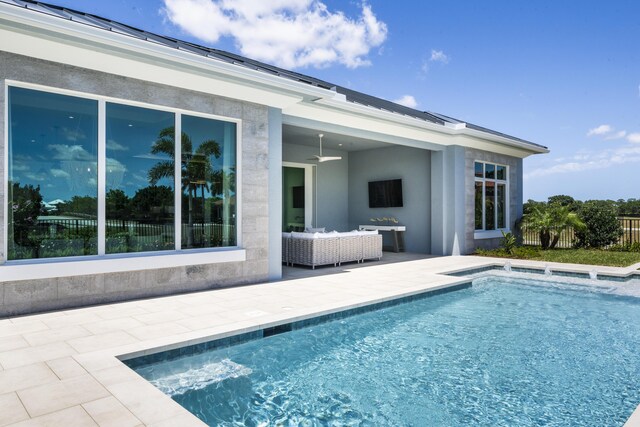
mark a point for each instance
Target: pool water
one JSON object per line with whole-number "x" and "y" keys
{"x": 504, "y": 352}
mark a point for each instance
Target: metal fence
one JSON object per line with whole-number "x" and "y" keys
{"x": 59, "y": 227}
{"x": 630, "y": 234}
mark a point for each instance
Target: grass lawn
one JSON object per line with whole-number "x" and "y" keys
{"x": 572, "y": 256}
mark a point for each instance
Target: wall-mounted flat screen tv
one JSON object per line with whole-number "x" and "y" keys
{"x": 298, "y": 197}
{"x": 385, "y": 194}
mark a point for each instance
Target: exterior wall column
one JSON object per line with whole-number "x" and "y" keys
{"x": 275, "y": 194}
{"x": 519, "y": 194}
{"x": 448, "y": 209}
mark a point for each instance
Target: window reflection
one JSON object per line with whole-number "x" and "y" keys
{"x": 53, "y": 178}
{"x": 52, "y": 175}
{"x": 479, "y": 169}
{"x": 489, "y": 171}
{"x": 489, "y": 204}
{"x": 502, "y": 206}
{"x": 208, "y": 183}
{"x": 140, "y": 179}
{"x": 479, "y": 197}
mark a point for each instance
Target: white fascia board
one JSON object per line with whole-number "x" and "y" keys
{"x": 95, "y": 48}
{"x": 458, "y": 129}
{"x": 392, "y": 124}
{"x": 532, "y": 149}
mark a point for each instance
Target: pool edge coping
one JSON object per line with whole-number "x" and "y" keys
{"x": 297, "y": 318}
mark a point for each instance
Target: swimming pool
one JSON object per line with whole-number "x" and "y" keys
{"x": 505, "y": 351}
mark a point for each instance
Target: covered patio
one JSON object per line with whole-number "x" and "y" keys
{"x": 334, "y": 194}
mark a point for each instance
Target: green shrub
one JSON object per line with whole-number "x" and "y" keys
{"x": 602, "y": 225}
{"x": 508, "y": 242}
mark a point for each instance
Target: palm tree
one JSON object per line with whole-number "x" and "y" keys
{"x": 549, "y": 221}
{"x": 196, "y": 167}
{"x": 223, "y": 184}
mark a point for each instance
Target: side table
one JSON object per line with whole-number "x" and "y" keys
{"x": 397, "y": 233}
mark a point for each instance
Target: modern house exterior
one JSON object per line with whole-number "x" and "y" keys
{"x": 101, "y": 203}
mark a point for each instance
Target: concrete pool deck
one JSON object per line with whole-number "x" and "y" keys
{"x": 61, "y": 368}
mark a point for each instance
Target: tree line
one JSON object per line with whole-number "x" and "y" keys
{"x": 622, "y": 207}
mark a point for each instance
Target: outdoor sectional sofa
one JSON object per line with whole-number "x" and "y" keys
{"x": 314, "y": 249}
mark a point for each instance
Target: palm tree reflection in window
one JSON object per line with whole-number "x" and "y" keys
{"x": 197, "y": 172}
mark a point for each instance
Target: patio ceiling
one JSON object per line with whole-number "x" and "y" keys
{"x": 335, "y": 141}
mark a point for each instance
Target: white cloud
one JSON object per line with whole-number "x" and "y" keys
{"x": 115, "y": 146}
{"x": 140, "y": 178}
{"x": 424, "y": 68}
{"x": 634, "y": 137}
{"x": 36, "y": 176}
{"x": 618, "y": 135}
{"x": 114, "y": 166}
{"x": 588, "y": 161}
{"x": 19, "y": 167}
{"x": 609, "y": 134}
{"x": 59, "y": 173}
{"x": 288, "y": 33}
{"x": 70, "y": 152}
{"x": 115, "y": 172}
{"x": 407, "y": 101}
{"x": 152, "y": 156}
{"x": 22, "y": 157}
{"x": 600, "y": 130}
{"x": 439, "y": 56}
{"x": 73, "y": 135}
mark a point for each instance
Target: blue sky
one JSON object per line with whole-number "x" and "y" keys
{"x": 562, "y": 74}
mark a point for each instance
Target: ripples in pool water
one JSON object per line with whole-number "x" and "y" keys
{"x": 502, "y": 352}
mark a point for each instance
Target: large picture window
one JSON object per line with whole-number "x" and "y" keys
{"x": 490, "y": 196}
{"x": 139, "y": 180}
{"x": 60, "y": 204}
{"x": 53, "y": 180}
{"x": 208, "y": 183}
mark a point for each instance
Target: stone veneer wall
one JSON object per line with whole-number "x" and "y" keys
{"x": 59, "y": 292}
{"x": 515, "y": 195}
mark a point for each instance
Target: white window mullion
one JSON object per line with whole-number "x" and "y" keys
{"x": 507, "y": 211}
{"x": 8, "y": 194}
{"x": 495, "y": 203}
{"x": 102, "y": 174}
{"x": 484, "y": 203}
{"x": 177, "y": 162}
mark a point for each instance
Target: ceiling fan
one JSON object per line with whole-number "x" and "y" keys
{"x": 320, "y": 158}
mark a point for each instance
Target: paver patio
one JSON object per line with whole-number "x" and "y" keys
{"x": 60, "y": 368}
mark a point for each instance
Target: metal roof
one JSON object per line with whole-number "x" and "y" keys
{"x": 241, "y": 61}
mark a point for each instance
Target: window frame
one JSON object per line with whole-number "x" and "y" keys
{"x": 166, "y": 255}
{"x": 483, "y": 233}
